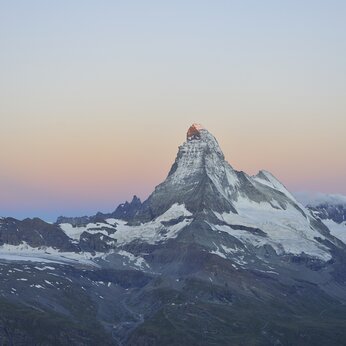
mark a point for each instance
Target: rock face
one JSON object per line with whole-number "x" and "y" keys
{"x": 335, "y": 212}
{"x": 35, "y": 233}
{"x": 96, "y": 242}
{"x": 75, "y": 221}
{"x": 326, "y": 206}
{"x": 127, "y": 211}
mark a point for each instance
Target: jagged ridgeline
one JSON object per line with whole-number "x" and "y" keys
{"x": 212, "y": 257}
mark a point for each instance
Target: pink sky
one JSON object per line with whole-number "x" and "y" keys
{"x": 78, "y": 171}
{"x": 92, "y": 111}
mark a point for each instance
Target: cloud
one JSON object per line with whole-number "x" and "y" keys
{"x": 316, "y": 198}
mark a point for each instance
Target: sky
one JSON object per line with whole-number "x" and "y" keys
{"x": 96, "y": 96}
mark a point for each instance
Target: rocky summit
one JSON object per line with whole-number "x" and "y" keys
{"x": 213, "y": 256}
{"x": 194, "y": 132}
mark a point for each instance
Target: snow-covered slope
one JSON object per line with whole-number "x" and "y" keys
{"x": 164, "y": 227}
{"x": 338, "y": 230}
{"x": 287, "y": 231}
{"x": 25, "y": 252}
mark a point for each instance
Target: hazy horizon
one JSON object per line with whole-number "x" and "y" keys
{"x": 97, "y": 97}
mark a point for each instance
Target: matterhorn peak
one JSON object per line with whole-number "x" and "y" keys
{"x": 194, "y": 131}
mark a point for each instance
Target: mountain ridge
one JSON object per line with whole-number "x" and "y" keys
{"x": 223, "y": 257}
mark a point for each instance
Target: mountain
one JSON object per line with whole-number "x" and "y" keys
{"x": 331, "y": 209}
{"x": 212, "y": 257}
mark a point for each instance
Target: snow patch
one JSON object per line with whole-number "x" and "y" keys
{"x": 75, "y": 232}
{"x": 25, "y": 252}
{"x": 338, "y": 230}
{"x": 135, "y": 260}
{"x": 154, "y": 231}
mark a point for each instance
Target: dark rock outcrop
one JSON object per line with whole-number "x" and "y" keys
{"x": 35, "y": 232}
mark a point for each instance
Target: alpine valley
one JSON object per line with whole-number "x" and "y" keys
{"x": 213, "y": 257}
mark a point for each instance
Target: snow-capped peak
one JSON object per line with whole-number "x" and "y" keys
{"x": 202, "y": 179}
{"x": 199, "y": 153}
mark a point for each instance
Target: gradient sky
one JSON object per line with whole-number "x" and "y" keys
{"x": 96, "y": 96}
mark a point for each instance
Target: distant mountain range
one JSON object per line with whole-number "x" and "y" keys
{"x": 213, "y": 257}
{"x": 330, "y": 208}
